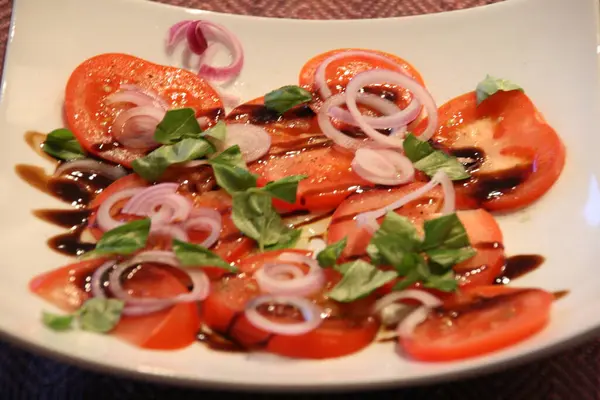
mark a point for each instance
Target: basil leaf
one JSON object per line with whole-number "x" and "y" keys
{"x": 330, "y": 254}
{"x": 287, "y": 239}
{"x": 100, "y": 315}
{"x": 254, "y": 215}
{"x": 446, "y": 232}
{"x": 491, "y": 85}
{"x": 230, "y": 156}
{"x": 285, "y": 188}
{"x": 152, "y": 166}
{"x": 176, "y": 125}
{"x": 393, "y": 242}
{"x": 217, "y": 132}
{"x": 410, "y": 279}
{"x": 124, "y": 239}
{"x": 57, "y": 322}
{"x": 286, "y": 98}
{"x": 445, "y": 283}
{"x": 425, "y": 158}
{"x": 232, "y": 178}
{"x": 62, "y": 144}
{"x": 359, "y": 279}
{"x": 192, "y": 255}
{"x": 450, "y": 257}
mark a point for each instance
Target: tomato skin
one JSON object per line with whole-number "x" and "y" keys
{"x": 90, "y": 118}
{"x": 339, "y": 72}
{"x": 500, "y": 315}
{"x": 513, "y": 136}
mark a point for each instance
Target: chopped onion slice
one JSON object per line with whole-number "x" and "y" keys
{"x": 104, "y": 217}
{"x": 384, "y": 76}
{"x": 174, "y": 231}
{"x": 394, "y": 117}
{"x": 195, "y": 37}
{"x": 408, "y": 325}
{"x": 161, "y": 203}
{"x": 321, "y": 80}
{"x": 217, "y": 32}
{"x": 369, "y": 219}
{"x": 271, "y": 277}
{"x": 176, "y": 33}
{"x": 310, "y": 312}
{"x": 135, "y": 127}
{"x": 205, "y": 219}
{"x": 383, "y": 166}
{"x": 201, "y": 285}
{"x": 96, "y": 282}
{"x": 253, "y": 140}
{"x": 88, "y": 165}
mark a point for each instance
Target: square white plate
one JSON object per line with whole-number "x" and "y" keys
{"x": 547, "y": 46}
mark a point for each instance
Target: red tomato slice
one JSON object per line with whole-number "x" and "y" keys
{"x": 340, "y": 72}
{"x": 90, "y": 118}
{"x": 522, "y": 155}
{"x": 482, "y": 320}
{"x": 232, "y": 244}
{"x": 330, "y": 176}
{"x": 483, "y": 231}
{"x": 348, "y": 330}
{"x": 172, "y": 328}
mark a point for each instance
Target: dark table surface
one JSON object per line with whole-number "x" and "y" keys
{"x": 573, "y": 374}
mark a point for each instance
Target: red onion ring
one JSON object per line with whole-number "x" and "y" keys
{"x": 173, "y": 231}
{"x": 96, "y": 283}
{"x": 269, "y": 276}
{"x": 135, "y": 127}
{"x": 368, "y": 219}
{"x": 310, "y": 312}
{"x": 173, "y": 207}
{"x": 377, "y": 76}
{"x": 205, "y": 219}
{"x": 253, "y": 140}
{"x": 321, "y": 80}
{"x": 383, "y": 166}
{"x": 200, "y": 281}
{"x": 221, "y": 34}
{"x": 110, "y": 171}
{"x": 195, "y": 37}
{"x": 104, "y": 218}
{"x": 176, "y": 33}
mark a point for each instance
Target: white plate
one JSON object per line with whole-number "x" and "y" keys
{"x": 548, "y": 46}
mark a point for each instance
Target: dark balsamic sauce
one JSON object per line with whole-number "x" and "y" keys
{"x": 517, "y": 266}
{"x": 259, "y": 114}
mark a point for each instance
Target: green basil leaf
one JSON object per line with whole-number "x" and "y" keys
{"x": 330, "y": 254}
{"x": 57, "y": 322}
{"x": 287, "y": 239}
{"x": 425, "y": 158}
{"x": 408, "y": 280}
{"x": 254, "y": 215}
{"x": 285, "y": 189}
{"x": 393, "y": 242}
{"x": 450, "y": 257}
{"x": 124, "y": 239}
{"x": 176, "y": 125}
{"x": 359, "y": 279}
{"x": 445, "y": 283}
{"x": 446, "y": 232}
{"x": 152, "y": 166}
{"x": 230, "y": 156}
{"x": 192, "y": 255}
{"x": 491, "y": 85}
{"x": 100, "y": 315}
{"x": 62, "y": 144}
{"x": 232, "y": 178}
{"x": 287, "y": 97}
{"x": 217, "y": 132}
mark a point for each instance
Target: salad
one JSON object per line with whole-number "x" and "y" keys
{"x": 339, "y": 211}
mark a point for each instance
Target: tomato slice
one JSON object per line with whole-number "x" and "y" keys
{"x": 172, "y": 328}
{"x": 481, "y": 320}
{"x": 232, "y": 244}
{"x": 517, "y": 155}
{"x": 330, "y": 176}
{"x": 339, "y": 72}
{"x": 483, "y": 231}
{"x": 90, "y": 118}
{"x": 348, "y": 329}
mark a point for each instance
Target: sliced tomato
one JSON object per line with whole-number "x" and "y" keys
{"x": 518, "y": 156}
{"x": 483, "y": 231}
{"x": 290, "y": 130}
{"x": 339, "y": 72}
{"x": 172, "y": 328}
{"x": 481, "y": 320}
{"x": 348, "y": 329}
{"x": 90, "y": 118}
{"x": 330, "y": 178}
